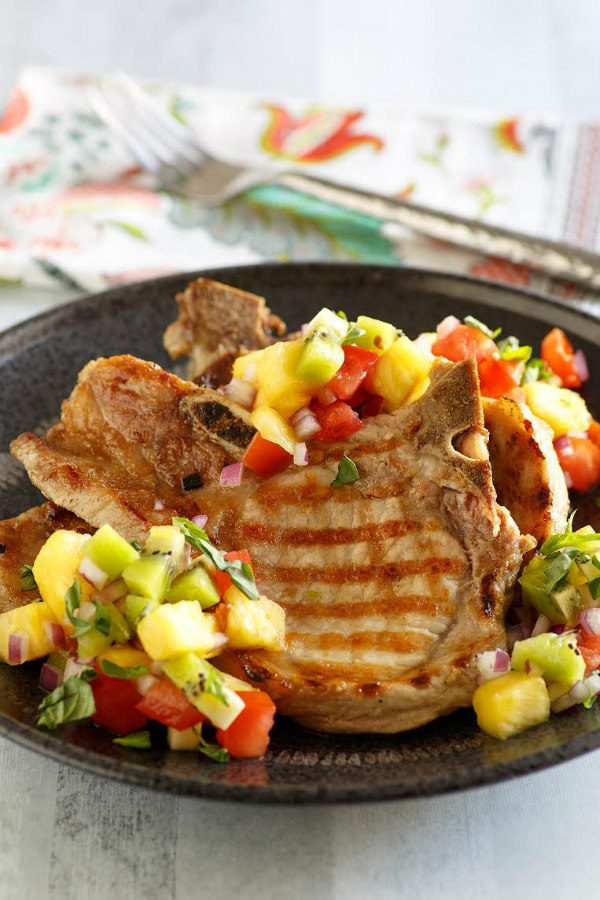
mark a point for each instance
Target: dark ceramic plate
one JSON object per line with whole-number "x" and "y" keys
{"x": 39, "y": 362}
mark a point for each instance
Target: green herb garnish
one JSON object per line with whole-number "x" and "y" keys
{"x": 101, "y": 621}
{"x": 125, "y": 672}
{"x": 27, "y": 579}
{"x": 347, "y": 472}
{"x": 138, "y": 740}
{"x": 511, "y": 349}
{"x": 136, "y": 545}
{"x": 536, "y": 370}
{"x": 69, "y": 702}
{"x": 240, "y": 573}
{"x": 213, "y": 751}
{"x": 353, "y": 333}
{"x": 472, "y": 322}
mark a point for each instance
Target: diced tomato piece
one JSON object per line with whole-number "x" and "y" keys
{"x": 116, "y": 704}
{"x": 266, "y": 458}
{"x": 166, "y": 704}
{"x": 358, "y": 398}
{"x": 464, "y": 342}
{"x": 222, "y": 579}
{"x": 496, "y": 377}
{"x": 580, "y": 461}
{"x": 590, "y": 657}
{"x": 337, "y": 421}
{"x": 558, "y": 354}
{"x": 590, "y": 641}
{"x": 347, "y": 380}
{"x": 248, "y": 736}
{"x": 594, "y": 433}
{"x": 372, "y": 406}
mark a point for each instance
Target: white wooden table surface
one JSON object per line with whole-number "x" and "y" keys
{"x": 64, "y": 834}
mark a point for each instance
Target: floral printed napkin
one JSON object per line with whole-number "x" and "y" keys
{"x": 76, "y": 210}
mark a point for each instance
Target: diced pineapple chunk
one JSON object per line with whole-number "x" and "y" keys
{"x": 253, "y": 624}
{"x": 277, "y": 383}
{"x": 243, "y": 365}
{"x": 510, "y": 704}
{"x": 55, "y": 570}
{"x": 176, "y": 628}
{"x": 397, "y": 373}
{"x": 418, "y": 390}
{"x": 28, "y": 620}
{"x": 562, "y": 409}
{"x": 272, "y": 427}
{"x": 188, "y": 739}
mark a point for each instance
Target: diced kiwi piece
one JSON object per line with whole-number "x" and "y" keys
{"x": 193, "y": 675}
{"x": 109, "y": 551}
{"x": 555, "y": 654}
{"x": 149, "y": 576}
{"x": 378, "y": 336}
{"x": 137, "y": 607}
{"x": 194, "y": 585}
{"x": 120, "y": 629}
{"x": 326, "y": 320}
{"x": 561, "y": 606}
{"x": 321, "y": 357}
{"x": 165, "y": 539}
{"x": 92, "y": 644}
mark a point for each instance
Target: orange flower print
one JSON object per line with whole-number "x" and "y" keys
{"x": 506, "y": 135}
{"x": 496, "y": 269}
{"x": 15, "y": 112}
{"x": 316, "y": 136}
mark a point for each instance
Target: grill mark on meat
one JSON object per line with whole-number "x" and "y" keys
{"x": 393, "y": 604}
{"x": 487, "y": 595}
{"x": 382, "y": 641}
{"x": 259, "y": 531}
{"x": 371, "y": 573}
{"x": 313, "y": 493}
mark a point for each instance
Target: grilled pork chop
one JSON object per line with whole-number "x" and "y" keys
{"x": 217, "y": 323}
{"x": 391, "y": 584}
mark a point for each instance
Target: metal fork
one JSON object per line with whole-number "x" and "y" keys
{"x": 173, "y": 154}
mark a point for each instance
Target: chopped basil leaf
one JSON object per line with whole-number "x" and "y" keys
{"x": 536, "y": 370}
{"x": 569, "y": 538}
{"x": 27, "y": 579}
{"x": 88, "y": 675}
{"x": 594, "y": 587}
{"x": 347, "y": 472}
{"x": 240, "y": 573}
{"x": 559, "y": 567}
{"x": 125, "y": 672}
{"x": 69, "y": 702}
{"x": 101, "y": 621}
{"x": 136, "y": 545}
{"x": 472, "y": 322}
{"x": 353, "y": 333}
{"x": 139, "y": 740}
{"x": 510, "y": 349}
{"x": 73, "y": 601}
{"x": 213, "y": 751}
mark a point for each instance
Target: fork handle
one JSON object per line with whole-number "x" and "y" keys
{"x": 554, "y": 258}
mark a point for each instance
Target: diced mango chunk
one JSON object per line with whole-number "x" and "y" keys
{"x": 55, "y": 570}
{"x": 397, "y": 373}
{"x": 562, "y": 409}
{"x": 176, "y": 628}
{"x": 29, "y": 621}
{"x": 511, "y": 703}
{"x": 253, "y": 624}
{"x": 126, "y": 656}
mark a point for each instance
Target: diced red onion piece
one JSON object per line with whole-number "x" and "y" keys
{"x": 241, "y": 392}
{"x": 92, "y": 573}
{"x": 307, "y": 427}
{"x": 159, "y": 505}
{"x": 299, "y": 415}
{"x": 581, "y": 366}
{"x": 50, "y": 678}
{"x": 200, "y": 521}
{"x": 589, "y": 619}
{"x": 502, "y": 662}
{"x": 541, "y": 626}
{"x": 563, "y": 445}
{"x": 492, "y": 664}
{"x": 73, "y": 667}
{"x": 112, "y": 592}
{"x": 300, "y": 455}
{"x": 304, "y": 329}
{"x": 144, "y": 683}
{"x": 18, "y": 646}
{"x": 580, "y": 691}
{"x": 55, "y": 634}
{"x": 231, "y": 476}
{"x": 326, "y": 396}
{"x": 219, "y": 641}
{"x": 447, "y": 326}
{"x": 86, "y": 611}
{"x": 425, "y": 341}
{"x": 558, "y": 629}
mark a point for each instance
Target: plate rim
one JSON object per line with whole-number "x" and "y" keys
{"x": 125, "y": 771}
